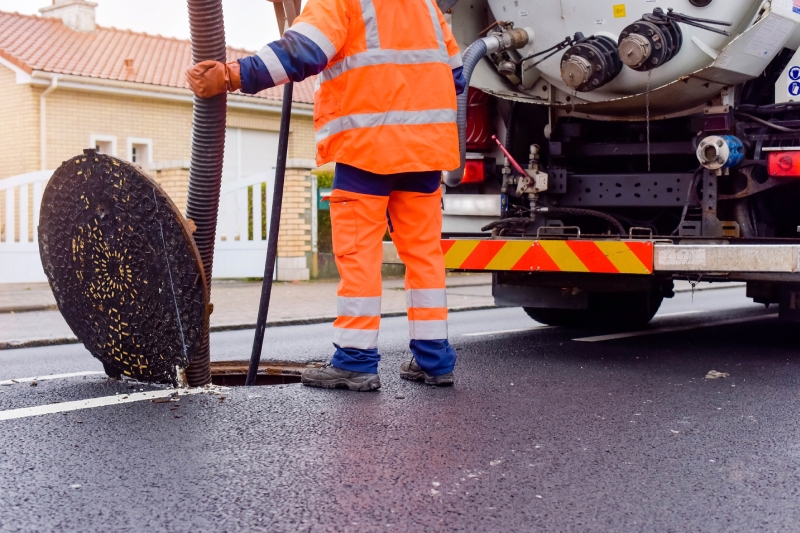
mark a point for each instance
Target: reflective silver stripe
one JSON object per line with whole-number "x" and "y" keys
{"x": 363, "y": 339}
{"x": 426, "y": 298}
{"x": 276, "y": 70}
{"x": 390, "y": 118}
{"x": 370, "y": 24}
{"x": 436, "y": 26}
{"x": 455, "y": 61}
{"x": 319, "y": 38}
{"x": 427, "y": 330}
{"x": 384, "y": 57}
{"x": 359, "y": 306}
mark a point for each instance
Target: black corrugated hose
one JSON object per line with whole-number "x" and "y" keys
{"x": 208, "y": 146}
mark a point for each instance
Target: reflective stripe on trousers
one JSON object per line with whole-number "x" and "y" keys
{"x": 358, "y": 321}
{"x": 427, "y": 313}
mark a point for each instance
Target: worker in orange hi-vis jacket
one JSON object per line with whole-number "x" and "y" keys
{"x": 385, "y": 113}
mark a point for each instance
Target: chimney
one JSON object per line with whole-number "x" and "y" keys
{"x": 77, "y": 15}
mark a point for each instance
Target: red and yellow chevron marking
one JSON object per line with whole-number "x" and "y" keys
{"x": 606, "y": 257}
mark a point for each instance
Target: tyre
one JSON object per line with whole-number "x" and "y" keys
{"x": 611, "y": 309}
{"x": 559, "y": 317}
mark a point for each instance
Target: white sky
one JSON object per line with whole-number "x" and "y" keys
{"x": 249, "y": 24}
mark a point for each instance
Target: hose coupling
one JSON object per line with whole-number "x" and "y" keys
{"x": 512, "y": 39}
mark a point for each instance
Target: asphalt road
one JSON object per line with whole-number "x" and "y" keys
{"x": 542, "y": 432}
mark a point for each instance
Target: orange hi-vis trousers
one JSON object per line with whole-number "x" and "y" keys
{"x": 359, "y": 221}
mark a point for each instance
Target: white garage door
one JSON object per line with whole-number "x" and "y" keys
{"x": 250, "y": 157}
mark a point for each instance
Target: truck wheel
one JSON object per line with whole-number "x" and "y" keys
{"x": 559, "y": 317}
{"x": 624, "y": 309}
{"x": 613, "y": 309}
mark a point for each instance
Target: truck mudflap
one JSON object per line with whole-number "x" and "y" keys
{"x": 641, "y": 257}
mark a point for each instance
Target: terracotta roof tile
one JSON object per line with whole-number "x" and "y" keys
{"x": 46, "y": 44}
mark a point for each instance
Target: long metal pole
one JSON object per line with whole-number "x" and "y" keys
{"x": 274, "y": 223}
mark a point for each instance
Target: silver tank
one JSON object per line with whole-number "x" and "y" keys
{"x": 705, "y": 65}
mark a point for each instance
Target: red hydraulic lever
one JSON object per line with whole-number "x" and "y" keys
{"x": 514, "y": 163}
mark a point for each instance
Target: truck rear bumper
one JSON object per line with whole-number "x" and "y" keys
{"x": 641, "y": 257}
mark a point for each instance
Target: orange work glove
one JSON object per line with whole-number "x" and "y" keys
{"x": 210, "y": 78}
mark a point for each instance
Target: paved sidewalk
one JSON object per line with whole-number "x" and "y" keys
{"x": 29, "y": 317}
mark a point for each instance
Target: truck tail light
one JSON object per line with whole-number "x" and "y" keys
{"x": 479, "y": 125}
{"x": 784, "y": 164}
{"x": 473, "y": 171}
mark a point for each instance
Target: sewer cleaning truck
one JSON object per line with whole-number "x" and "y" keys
{"x": 611, "y": 147}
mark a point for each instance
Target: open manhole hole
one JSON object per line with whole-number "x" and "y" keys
{"x": 234, "y": 373}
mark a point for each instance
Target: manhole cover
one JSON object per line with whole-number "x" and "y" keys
{"x": 123, "y": 267}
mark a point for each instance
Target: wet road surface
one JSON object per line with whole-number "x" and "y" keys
{"x": 542, "y": 432}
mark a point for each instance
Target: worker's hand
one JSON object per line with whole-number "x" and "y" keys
{"x": 210, "y": 78}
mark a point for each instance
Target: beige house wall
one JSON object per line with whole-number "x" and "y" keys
{"x": 19, "y": 126}
{"x": 74, "y": 116}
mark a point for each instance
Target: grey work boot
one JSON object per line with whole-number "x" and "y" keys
{"x": 330, "y": 377}
{"x": 412, "y": 372}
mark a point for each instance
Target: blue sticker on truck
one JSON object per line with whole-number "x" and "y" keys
{"x": 794, "y": 73}
{"x": 794, "y": 88}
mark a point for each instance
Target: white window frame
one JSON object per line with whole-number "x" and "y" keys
{"x": 95, "y": 137}
{"x": 141, "y": 140}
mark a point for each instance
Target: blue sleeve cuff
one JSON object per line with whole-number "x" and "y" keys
{"x": 254, "y": 74}
{"x": 299, "y": 56}
{"x": 458, "y": 79}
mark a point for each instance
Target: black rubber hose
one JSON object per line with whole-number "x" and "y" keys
{"x": 208, "y": 147}
{"x": 573, "y": 211}
{"x": 568, "y": 211}
{"x": 472, "y": 56}
{"x": 274, "y": 230}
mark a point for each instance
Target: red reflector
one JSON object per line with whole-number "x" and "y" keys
{"x": 473, "y": 171}
{"x": 784, "y": 164}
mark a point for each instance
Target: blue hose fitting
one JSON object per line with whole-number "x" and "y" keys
{"x": 719, "y": 152}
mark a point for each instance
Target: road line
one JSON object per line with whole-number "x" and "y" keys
{"x": 485, "y": 333}
{"x": 91, "y": 403}
{"x": 682, "y": 313}
{"x": 642, "y": 333}
{"x": 51, "y": 376}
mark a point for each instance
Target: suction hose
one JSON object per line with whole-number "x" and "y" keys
{"x": 205, "y": 171}
{"x": 516, "y": 38}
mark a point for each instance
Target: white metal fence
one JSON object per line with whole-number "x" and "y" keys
{"x": 243, "y": 226}
{"x": 240, "y": 250}
{"x": 19, "y": 224}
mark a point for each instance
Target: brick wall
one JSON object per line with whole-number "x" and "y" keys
{"x": 175, "y": 182}
{"x": 294, "y": 244}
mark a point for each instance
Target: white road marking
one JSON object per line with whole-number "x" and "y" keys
{"x": 51, "y": 376}
{"x": 682, "y": 313}
{"x": 485, "y": 333}
{"x": 641, "y": 333}
{"x": 91, "y": 403}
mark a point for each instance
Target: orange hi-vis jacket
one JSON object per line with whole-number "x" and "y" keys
{"x": 385, "y": 102}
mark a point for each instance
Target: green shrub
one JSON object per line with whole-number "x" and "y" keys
{"x": 324, "y": 235}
